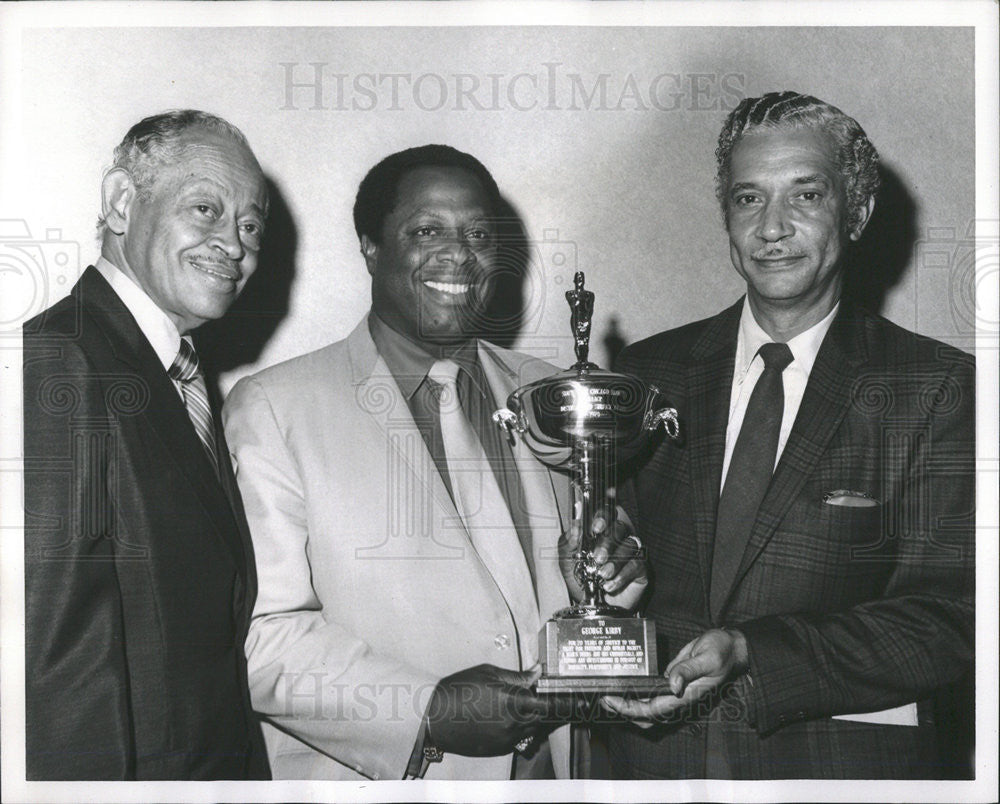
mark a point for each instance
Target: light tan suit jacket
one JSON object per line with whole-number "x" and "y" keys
{"x": 370, "y": 588}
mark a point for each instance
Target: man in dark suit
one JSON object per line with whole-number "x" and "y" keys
{"x": 813, "y": 612}
{"x": 138, "y": 566}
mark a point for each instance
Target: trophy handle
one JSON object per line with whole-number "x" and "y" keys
{"x": 668, "y": 416}
{"x": 508, "y": 421}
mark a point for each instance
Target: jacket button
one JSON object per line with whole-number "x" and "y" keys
{"x": 502, "y": 641}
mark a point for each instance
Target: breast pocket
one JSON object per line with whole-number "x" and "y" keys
{"x": 853, "y": 525}
{"x": 824, "y": 556}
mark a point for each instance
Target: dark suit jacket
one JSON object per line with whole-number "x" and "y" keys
{"x": 845, "y": 610}
{"x": 138, "y": 566}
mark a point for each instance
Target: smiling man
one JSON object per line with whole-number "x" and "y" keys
{"x": 811, "y": 541}
{"x": 139, "y": 575}
{"x": 407, "y": 554}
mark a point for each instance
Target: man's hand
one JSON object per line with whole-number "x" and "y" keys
{"x": 485, "y": 711}
{"x": 697, "y": 670}
{"x": 617, "y": 553}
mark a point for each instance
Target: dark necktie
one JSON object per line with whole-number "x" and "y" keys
{"x": 186, "y": 371}
{"x": 750, "y": 470}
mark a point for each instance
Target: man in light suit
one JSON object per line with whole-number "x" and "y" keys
{"x": 815, "y": 612}
{"x": 403, "y": 582}
{"x": 139, "y": 576}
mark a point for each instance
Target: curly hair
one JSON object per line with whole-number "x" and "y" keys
{"x": 857, "y": 158}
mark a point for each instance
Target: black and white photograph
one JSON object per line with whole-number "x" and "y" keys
{"x": 481, "y": 401}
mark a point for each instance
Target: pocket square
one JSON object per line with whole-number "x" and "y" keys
{"x": 849, "y": 499}
{"x": 905, "y": 715}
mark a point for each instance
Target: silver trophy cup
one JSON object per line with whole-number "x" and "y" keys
{"x": 585, "y": 421}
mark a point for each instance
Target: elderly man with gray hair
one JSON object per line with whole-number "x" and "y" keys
{"x": 811, "y": 541}
{"x": 139, "y": 573}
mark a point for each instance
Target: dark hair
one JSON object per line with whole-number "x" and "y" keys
{"x": 378, "y": 190}
{"x": 154, "y": 142}
{"x": 857, "y": 158}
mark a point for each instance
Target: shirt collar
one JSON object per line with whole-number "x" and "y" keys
{"x": 409, "y": 362}
{"x": 155, "y": 324}
{"x": 804, "y": 346}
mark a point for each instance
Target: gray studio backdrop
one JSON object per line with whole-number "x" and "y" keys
{"x": 602, "y": 140}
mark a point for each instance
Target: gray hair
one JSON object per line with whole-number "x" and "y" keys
{"x": 857, "y": 158}
{"x": 154, "y": 142}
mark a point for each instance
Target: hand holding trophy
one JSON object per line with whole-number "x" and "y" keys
{"x": 585, "y": 421}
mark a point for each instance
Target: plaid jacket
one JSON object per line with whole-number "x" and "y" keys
{"x": 845, "y": 609}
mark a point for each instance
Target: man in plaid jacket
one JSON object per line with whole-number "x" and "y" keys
{"x": 816, "y": 615}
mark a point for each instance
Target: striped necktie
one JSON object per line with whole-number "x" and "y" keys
{"x": 186, "y": 371}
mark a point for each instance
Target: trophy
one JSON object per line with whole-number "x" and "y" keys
{"x": 584, "y": 421}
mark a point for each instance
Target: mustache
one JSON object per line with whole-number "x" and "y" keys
{"x": 776, "y": 253}
{"x": 219, "y": 263}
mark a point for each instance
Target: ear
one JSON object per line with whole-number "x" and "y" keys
{"x": 866, "y": 215}
{"x": 117, "y": 194}
{"x": 370, "y": 252}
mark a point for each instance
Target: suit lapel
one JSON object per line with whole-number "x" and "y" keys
{"x": 709, "y": 384}
{"x": 227, "y": 478}
{"x": 164, "y": 411}
{"x": 244, "y": 598}
{"x": 825, "y": 402}
{"x": 504, "y": 556}
{"x": 380, "y": 398}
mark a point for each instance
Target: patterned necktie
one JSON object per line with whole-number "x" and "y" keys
{"x": 186, "y": 371}
{"x": 750, "y": 470}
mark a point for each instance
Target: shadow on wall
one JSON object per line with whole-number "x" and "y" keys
{"x": 879, "y": 260}
{"x": 504, "y": 317}
{"x": 613, "y": 341}
{"x": 875, "y": 264}
{"x": 239, "y": 337}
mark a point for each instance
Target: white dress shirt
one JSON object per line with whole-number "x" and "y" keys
{"x": 155, "y": 324}
{"x": 749, "y": 367}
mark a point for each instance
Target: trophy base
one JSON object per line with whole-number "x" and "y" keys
{"x": 634, "y": 686}
{"x": 599, "y": 649}
{"x": 591, "y": 611}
